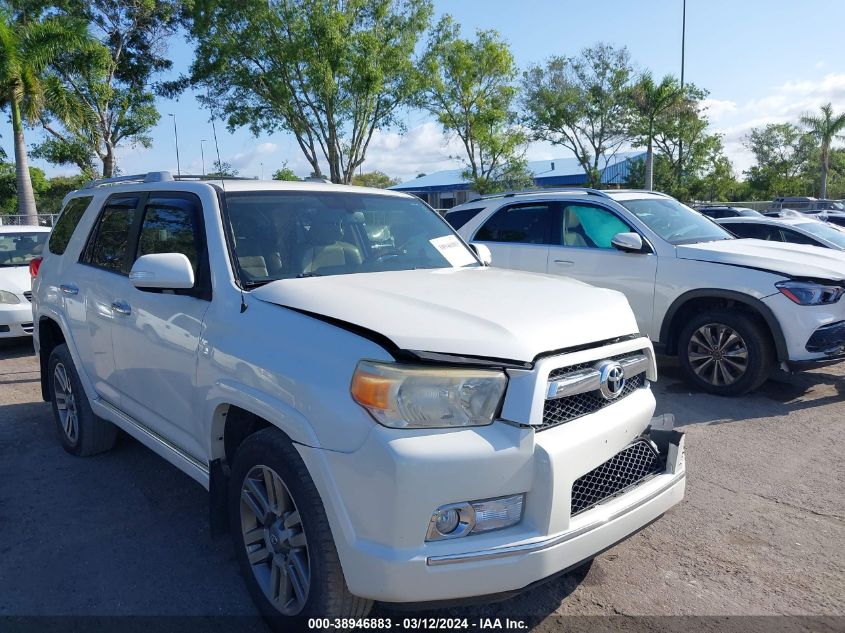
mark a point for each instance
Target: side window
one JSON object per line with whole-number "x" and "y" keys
{"x": 66, "y": 224}
{"x": 458, "y": 218}
{"x": 521, "y": 224}
{"x": 170, "y": 229}
{"x": 590, "y": 227}
{"x": 755, "y": 231}
{"x": 108, "y": 245}
{"x": 793, "y": 237}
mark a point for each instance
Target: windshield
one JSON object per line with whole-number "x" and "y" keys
{"x": 289, "y": 234}
{"x": 18, "y": 249}
{"x": 826, "y": 232}
{"x": 675, "y": 222}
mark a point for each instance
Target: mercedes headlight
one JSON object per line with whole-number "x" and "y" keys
{"x": 810, "y": 293}
{"x": 404, "y": 396}
{"x": 8, "y": 297}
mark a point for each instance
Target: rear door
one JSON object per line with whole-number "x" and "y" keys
{"x": 518, "y": 235}
{"x": 89, "y": 288}
{"x": 156, "y": 341}
{"x": 582, "y": 249}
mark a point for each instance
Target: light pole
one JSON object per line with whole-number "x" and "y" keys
{"x": 202, "y": 156}
{"x": 262, "y": 171}
{"x": 176, "y": 137}
{"x": 681, "y": 126}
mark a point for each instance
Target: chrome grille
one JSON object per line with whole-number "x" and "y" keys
{"x": 561, "y": 410}
{"x": 28, "y": 295}
{"x": 618, "y": 474}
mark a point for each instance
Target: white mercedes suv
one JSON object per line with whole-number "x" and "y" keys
{"x": 731, "y": 309}
{"x": 376, "y": 413}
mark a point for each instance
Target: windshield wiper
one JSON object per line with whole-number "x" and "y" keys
{"x": 303, "y": 275}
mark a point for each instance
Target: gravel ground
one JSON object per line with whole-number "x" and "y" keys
{"x": 761, "y": 531}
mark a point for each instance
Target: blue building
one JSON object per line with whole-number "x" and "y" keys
{"x": 445, "y": 189}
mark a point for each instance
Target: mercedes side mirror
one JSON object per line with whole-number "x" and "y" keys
{"x": 628, "y": 242}
{"x": 483, "y": 253}
{"x": 162, "y": 271}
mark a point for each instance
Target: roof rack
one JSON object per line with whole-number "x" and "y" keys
{"x": 154, "y": 176}
{"x": 528, "y": 192}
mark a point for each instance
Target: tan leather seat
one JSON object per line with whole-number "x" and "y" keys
{"x": 254, "y": 265}
{"x": 326, "y": 249}
{"x": 572, "y": 229}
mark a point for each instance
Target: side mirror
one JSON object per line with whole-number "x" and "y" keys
{"x": 162, "y": 271}
{"x": 483, "y": 253}
{"x": 627, "y": 242}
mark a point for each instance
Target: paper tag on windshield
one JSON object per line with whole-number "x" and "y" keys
{"x": 452, "y": 249}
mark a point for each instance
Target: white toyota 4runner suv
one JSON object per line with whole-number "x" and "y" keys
{"x": 731, "y": 309}
{"x": 380, "y": 415}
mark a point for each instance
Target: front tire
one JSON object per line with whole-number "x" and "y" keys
{"x": 282, "y": 537}
{"x": 725, "y": 353}
{"x": 81, "y": 433}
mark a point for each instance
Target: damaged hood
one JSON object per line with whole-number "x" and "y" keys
{"x": 488, "y": 312}
{"x": 790, "y": 260}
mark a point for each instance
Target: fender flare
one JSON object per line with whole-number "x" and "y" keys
{"x": 753, "y": 303}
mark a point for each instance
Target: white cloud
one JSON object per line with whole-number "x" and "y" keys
{"x": 250, "y": 158}
{"x": 423, "y": 148}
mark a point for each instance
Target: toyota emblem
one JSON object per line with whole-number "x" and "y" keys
{"x": 611, "y": 379}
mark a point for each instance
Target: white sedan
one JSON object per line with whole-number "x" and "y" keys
{"x": 792, "y": 230}
{"x": 19, "y": 245}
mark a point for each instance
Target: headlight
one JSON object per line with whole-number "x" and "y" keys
{"x": 810, "y": 293}
{"x": 8, "y": 297}
{"x": 403, "y": 396}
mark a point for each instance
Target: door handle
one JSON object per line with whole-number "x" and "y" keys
{"x": 564, "y": 262}
{"x": 121, "y": 307}
{"x": 69, "y": 289}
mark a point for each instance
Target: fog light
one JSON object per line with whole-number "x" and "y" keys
{"x": 461, "y": 519}
{"x": 447, "y": 521}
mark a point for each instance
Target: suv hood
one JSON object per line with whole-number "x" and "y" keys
{"x": 15, "y": 279}
{"x": 485, "y": 312}
{"x": 790, "y": 260}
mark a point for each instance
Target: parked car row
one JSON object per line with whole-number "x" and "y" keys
{"x": 380, "y": 414}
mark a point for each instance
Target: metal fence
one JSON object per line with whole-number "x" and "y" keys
{"x": 44, "y": 219}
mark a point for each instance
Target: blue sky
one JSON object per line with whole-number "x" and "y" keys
{"x": 762, "y": 61}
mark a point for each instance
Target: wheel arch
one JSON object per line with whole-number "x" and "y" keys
{"x": 702, "y": 298}
{"x": 50, "y": 335}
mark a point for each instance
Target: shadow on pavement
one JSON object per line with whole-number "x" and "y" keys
{"x": 16, "y": 348}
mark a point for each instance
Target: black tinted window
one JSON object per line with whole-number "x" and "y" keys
{"x": 523, "y": 224}
{"x": 66, "y": 224}
{"x": 755, "y": 231}
{"x": 111, "y": 236}
{"x": 458, "y": 218}
{"x": 793, "y": 237}
{"x": 169, "y": 229}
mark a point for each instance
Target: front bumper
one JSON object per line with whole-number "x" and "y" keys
{"x": 814, "y": 335}
{"x": 15, "y": 319}
{"x": 397, "y": 480}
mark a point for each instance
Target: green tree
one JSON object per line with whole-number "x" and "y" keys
{"x": 9, "y": 188}
{"x": 582, "y": 104}
{"x": 650, "y": 101}
{"x": 222, "y": 170}
{"x": 285, "y": 173}
{"x": 377, "y": 179}
{"x": 28, "y": 44}
{"x": 781, "y": 153}
{"x": 470, "y": 89}
{"x": 329, "y": 71}
{"x": 100, "y": 93}
{"x": 825, "y": 128}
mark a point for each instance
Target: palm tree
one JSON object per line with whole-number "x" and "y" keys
{"x": 27, "y": 47}
{"x": 649, "y": 100}
{"x": 825, "y": 129}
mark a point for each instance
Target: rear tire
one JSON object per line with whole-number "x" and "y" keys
{"x": 725, "y": 353}
{"x": 282, "y": 537}
{"x": 81, "y": 433}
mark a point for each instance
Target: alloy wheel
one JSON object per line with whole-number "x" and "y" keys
{"x": 66, "y": 403}
{"x": 718, "y": 354}
{"x": 275, "y": 541}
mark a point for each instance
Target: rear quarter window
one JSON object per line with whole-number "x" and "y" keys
{"x": 460, "y": 217}
{"x": 66, "y": 224}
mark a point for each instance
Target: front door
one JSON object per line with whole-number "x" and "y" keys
{"x": 582, "y": 234}
{"x": 156, "y": 341}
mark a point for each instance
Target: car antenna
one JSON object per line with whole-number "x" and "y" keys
{"x": 222, "y": 180}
